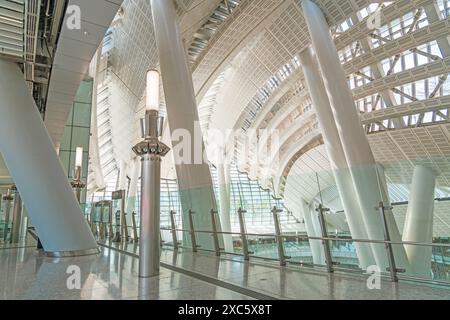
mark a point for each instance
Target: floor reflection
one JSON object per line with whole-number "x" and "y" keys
{"x": 26, "y": 273}
{"x": 292, "y": 283}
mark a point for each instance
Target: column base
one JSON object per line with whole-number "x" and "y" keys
{"x": 71, "y": 254}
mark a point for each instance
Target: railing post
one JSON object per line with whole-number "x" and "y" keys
{"x": 326, "y": 243}
{"x": 243, "y": 233}
{"x": 117, "y": 236}
{"x": 390, "y": 253}
{"x": 280, "y": 243}
{"x": 214, "y": 233}
{"x": 192, "y": 231}
{"x": 8, "y": 198}
{"x": 174, "y": 229}
{"x": 16, "y": 218}
{"x": 91, "y": 222}
{"x": 110, "y": 215}
{"x": 123, "y": 217}
{"x": 126, "y": 234}
{"x": 133, "y": 221}
{"x": 101, "y": 222}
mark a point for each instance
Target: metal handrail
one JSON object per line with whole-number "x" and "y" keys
{"x": 301, "y": 237}
{"x": 279, "y": 238}
{"x": 318, "y": 238}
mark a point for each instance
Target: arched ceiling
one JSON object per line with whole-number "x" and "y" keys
{"x": 311, "y": 180}
{"x": 247, "y": 75}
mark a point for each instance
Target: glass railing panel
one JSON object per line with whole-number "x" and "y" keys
{"x": 426, "y": 262}
{"x": 343, "y": 253}
{"x": 171, "y": 229}
{"x": 440, "y": 263}
{"x": 3, "y": 231}
{"x": 300, "y": 251}
{"x": 263, "y": 247}
{"x": 263, "y": 243}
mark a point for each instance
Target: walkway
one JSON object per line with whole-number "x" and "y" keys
{"x": 27, "y": 274}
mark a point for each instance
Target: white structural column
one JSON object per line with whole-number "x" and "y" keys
{"x": 336, "y": 156}
{"x": 194, "y": 178}
{"x": 122, "y": 175}
{"x": 39, "y": 176}
{"x": 419, "y": 221}
{"x": 313, "y": 230}
{"x": 223, "y": 173}
{"x": 132, "y": 191}
{"x": 368, "y": 185}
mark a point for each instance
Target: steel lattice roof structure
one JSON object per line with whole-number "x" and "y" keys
{"x": 247, "y": 76}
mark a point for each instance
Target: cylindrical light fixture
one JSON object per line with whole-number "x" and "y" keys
{"x": 79, "y": 157}
{"x": 151, "y": 150}
{"x": 152, "y": 99}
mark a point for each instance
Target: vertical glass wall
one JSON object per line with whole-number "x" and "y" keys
{"x": 250, "y": 196}
{"x": 245, "y": 193}
{"x": 77, "y": 134}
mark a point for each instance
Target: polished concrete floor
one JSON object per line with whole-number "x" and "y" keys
{"x": 303, "y": 284}
{"x": 293, "y": 282}
{"x": 27, "y": 274}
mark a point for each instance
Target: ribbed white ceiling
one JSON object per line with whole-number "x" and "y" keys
{"x": 249, "y": 51}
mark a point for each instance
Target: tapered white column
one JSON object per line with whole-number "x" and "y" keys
{"x": 223, "y": 172}
{"x": 365, "y": 175}
{"x": 336, "y": 156}
{"x": 313, "y": 230}
{"x": 419, "y": 221}
{"x": 122, "y": 175}
{"x": 39, "y": 176}
{"x": 194, "y": 177}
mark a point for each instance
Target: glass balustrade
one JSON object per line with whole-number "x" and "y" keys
{"x": 296, "y": 248}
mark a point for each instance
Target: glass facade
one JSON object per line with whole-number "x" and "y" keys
{"x": 258, "y": 202}
{"x": 77, "y": 133}
{"x": 244, "y": 193}
{"x": 393, "y": 79}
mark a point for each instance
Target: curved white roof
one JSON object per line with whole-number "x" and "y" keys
{"x": 247, "y": 76}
